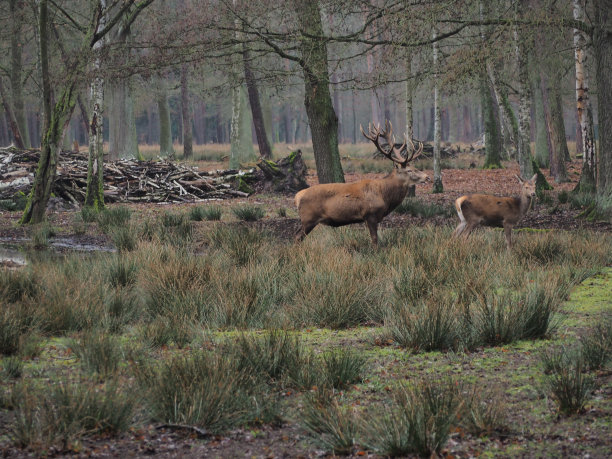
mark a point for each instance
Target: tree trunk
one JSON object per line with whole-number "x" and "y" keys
{"x": 17, "y": 70}
{"x": 123, "y": 140}
{"x": 95, "y": 169}
{"x": 186, "y": 114}
{"x": 56, "y": 120}
{"x": 410, "y": 88}
{"x": 317, "y": 99}
{"x": 437, "y": 167}
{"x": 551, "y": 101}
{"x": 523, "y": 136}
{"x": 165, "y": 124}
{"x": 12, "y": 121}
{"x": 585, "y": 140}
{"x": 258, "y": 119}
{"x": 542, "y": 151}
{"x": 602, "y": 44}
{"x": 490, "y": 114}
{"x": 240, "y": 134}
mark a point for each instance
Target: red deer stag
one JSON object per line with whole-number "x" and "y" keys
{"x": 369, "y": 201}
{"x": 482, "y": 209}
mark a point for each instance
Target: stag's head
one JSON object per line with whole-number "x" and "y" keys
{"x": 392, "y": 152}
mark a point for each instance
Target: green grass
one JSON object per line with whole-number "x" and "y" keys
{"x": 248, "y": 213}
{"x": 236, "y": 328}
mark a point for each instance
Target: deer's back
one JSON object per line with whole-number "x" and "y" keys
{"x": 490, "y": 210}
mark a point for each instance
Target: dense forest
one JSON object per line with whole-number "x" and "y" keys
{"x": 123, "y": 73}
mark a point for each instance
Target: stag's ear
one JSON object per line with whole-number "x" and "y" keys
{"x": 519, "y": 178}
{"x": 533, "y": 179}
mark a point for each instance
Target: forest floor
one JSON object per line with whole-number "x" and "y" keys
{"x": 531, "y": 428}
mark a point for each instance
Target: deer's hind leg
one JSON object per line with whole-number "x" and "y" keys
{"x": 460, "y": 228}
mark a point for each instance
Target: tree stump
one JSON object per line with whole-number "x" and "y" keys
{"x": 288, "y": 175}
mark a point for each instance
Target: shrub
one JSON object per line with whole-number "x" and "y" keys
{"x": 597, "y": 345}
{"x": 497, "y": 319}
{"x": 210, "y": 213}
{"x": 113, "y": 217}
{"x": 581, "y": 200}
{"x": 538, "y": 305}
{"x": 543, "y": 249}
{"x": 16, "y": 285}
{"x": 99, "y": 353}
{"x": 169, "y": 219}
{"x": 412, "y": 283}
{"x": 15, "y": 326}
{"x": 175, "y": 229}
{"x": 41, "y": 235}
{"x": 59, "y": 415}
{"x": 272, "y": 355}
{"x": 566, "y": 380}
{"x": 241, "y": 243}
{"x": 121, "y": 272}
{"x": 168, "y": 329}
{"x": 482, "y": 413}
{"x": 429, "y": 325}
{"x": 342, "y": 368}
{"x": 420, "y": 208}
{"x": 420, "y": 420}
{"x": 332, "y": 425}
{"x": 248, "y": 213}
{"x": 89, "y": 214}
{"x": 202, "y": 390}
{"x": 12, "y": 367}
{"x": 124, "y": 238}
{"x": 563, "y": 197}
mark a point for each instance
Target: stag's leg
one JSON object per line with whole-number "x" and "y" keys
{"x": 304, "y": 230}
{"x": 462, "y": 224}
{"x": 508, "y": 233}
{"x": 469, "y": 227}
{"x": 460, "y": 228}
{"x": 373, "y": 227}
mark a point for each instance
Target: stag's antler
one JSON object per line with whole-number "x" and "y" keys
{"x": 394, "y": 153}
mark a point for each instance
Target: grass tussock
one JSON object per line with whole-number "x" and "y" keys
{"x": 209, "y": 213}
{"x": 597, "y": 345}
{"x": 99, "y": 353}
{"x": 335, "y": 427}
{"x": 59, "y": 415}
{"x": 566, "y": 379}
{"x": 419, "y": 421}
{"x": 204, "y": 390}
{"x": 248, "y": 213}
{"x": 112, "y": 218}
{"x": 418, "y": 208}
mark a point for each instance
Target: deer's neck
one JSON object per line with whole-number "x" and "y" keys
{"x": 393, "y": 190}
{"x": 525, "y": 203}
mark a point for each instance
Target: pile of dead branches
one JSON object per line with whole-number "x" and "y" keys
{"x": 124, "y": 180}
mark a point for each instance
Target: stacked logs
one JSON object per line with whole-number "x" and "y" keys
{"x": 124, "y": 180}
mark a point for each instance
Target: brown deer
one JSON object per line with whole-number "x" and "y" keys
{"x": 482, "y": 209}
{"x": 369, "y": 200}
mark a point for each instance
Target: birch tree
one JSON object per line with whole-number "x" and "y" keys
{"x": 583, "y": 104}
{"x": 57, "y": 112}
{"x": 94, "y": 196}
{"x": 524, "y": 94}
{"x": 437, "y": 167}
